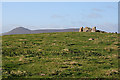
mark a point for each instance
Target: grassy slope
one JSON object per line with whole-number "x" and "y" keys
{"x": 65, "y": 54}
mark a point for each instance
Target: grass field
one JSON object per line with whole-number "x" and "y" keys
{"x": 60, "y": 55}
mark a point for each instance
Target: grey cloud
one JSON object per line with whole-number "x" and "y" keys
{"x": 79, "y": 23}
{"x": 110, "y": 7}
{"x": 82, "y": 24}
{"x": 97, "y": 10}
{"x": 94, "y": 15}
{"x": 57, "y": 16}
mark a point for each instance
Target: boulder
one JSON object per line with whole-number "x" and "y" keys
{"x": 93, "y": 29}
{"x": 81, "y": 29}
{"x": 90, "y": 39}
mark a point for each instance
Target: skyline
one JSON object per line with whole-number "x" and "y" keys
{"x": 60, "y": 15}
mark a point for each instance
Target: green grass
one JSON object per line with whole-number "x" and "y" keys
{"x": 60, "y": 55}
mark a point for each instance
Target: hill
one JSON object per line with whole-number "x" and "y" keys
{"x": 22, "y": 30}
{"x": 18, "y": 30}
{"x": 60, "y": 55}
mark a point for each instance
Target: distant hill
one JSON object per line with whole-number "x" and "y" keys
{"x": 22, "y": 30}
{"x": 18, "y": 30}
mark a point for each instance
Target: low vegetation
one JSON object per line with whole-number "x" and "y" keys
{"x": 60, "y": 55}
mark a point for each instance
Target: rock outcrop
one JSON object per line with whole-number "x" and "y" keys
{"x": 87, "y": 29}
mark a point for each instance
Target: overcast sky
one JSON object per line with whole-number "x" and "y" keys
{"x": 60, "y": 15}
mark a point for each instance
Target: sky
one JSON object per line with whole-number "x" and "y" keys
{"x": 60, "y": 15}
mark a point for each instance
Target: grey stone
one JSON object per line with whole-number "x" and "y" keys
{"x": 90, "y": 39}
{"x": 81, "y": 29}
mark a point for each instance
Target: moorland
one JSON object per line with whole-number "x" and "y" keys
{"x": 60, "y": 55}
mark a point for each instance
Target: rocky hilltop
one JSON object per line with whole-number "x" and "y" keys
{"x": 88, "y": 29}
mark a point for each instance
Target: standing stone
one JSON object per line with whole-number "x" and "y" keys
{"x": 93, "y": 29}
{"x": 81, "y": 29}
{"x": 89, "y": 30}
{"x": 86, "y": 29}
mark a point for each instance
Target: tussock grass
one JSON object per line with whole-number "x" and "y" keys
{"x": 60, "y": 55}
